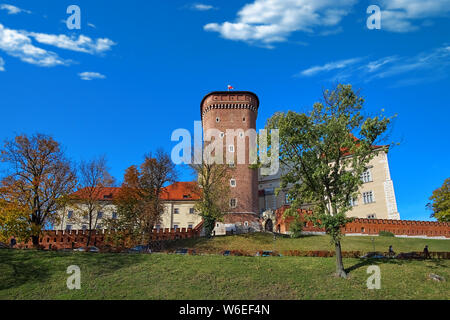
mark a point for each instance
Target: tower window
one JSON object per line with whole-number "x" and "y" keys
{"x": 231, "y": 148}
{"x": 243, "y": 119}
{"x": 217, "y": 119}
{"x": 233, "y": 182}
{"x": 222, "y": 134}
{"x": 241, "y": 134}
{"x": 233, "y": 203}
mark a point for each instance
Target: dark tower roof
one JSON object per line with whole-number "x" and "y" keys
{"x": 227, "y": 92}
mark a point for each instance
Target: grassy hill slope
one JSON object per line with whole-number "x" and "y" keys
{"x": 264, "y": 241}
{"x": 28, "y": 274}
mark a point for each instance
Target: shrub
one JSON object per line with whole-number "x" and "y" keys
{"x": 296, "y": 228}
{"x": 386, "y": 234}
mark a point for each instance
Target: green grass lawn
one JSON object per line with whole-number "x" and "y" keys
{"x": 264, "y": 241}
{"x": 29, "y": 274}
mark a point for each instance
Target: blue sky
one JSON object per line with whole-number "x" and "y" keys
{"x": 137, "y": 70}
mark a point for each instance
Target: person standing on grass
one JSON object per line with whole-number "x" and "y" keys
{"x": 426, "y": 253}
{"x": 391, "y": 252}
{"x": 12, "y": 242}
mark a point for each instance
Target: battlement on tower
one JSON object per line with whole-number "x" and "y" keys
{"x": 229, "y": 100}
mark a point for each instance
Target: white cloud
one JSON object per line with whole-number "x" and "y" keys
{"x": 408, "y": 70}
{"x": 341, "y": 64}
{"x": 2, "y": 64}
{"x": 12, "y": 9}
{"x": 19, "y": 45}
{"x": 82, "y": 44}
{"x": 202, "y": 7}
{"x": 91, "y": 75}
{"x": 406, "y": 15}
{"x": 436, "y": 61}
{"x": 269, "y": 21}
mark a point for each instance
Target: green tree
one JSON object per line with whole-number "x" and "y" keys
{"x": 213, "y": 189}
{"x": 296, "y": 228}
{"x": 440, "y": 202}
{"x": 324, "y": 159}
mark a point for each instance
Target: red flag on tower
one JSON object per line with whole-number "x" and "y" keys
{"x": 230, "y": 87}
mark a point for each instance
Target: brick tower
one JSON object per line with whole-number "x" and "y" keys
{"x": 235, "y": 110}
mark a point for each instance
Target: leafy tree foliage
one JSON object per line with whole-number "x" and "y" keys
{"x": 214, "y": 190}
{"x": 440, "y": 202}
{"x": 296, "y": 228}
{"x": 139, "y": 203}
{"x": 13, "y": 221}
{"x": 39, "y": 179}
{"x": 325, "y": 152}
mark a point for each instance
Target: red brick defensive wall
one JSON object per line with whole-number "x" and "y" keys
{"x": 72, "y": 239}
{"x": 358, "y": 226}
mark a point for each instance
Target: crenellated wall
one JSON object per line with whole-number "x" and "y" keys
{"x": 72, "y": 239}
{"x": 410, "y": 228}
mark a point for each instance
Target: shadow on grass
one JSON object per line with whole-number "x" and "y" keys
{"x": 367, "y": 262}
{"x": 18, "y": 267}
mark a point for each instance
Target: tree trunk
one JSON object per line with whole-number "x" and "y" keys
{"x": 89, "y": 237}
{"x": 340, "y": 271}
{"x": 35, "y": 240}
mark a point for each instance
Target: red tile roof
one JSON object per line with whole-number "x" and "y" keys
{"x": 106, "y": 193}
{"x": 174, "y": 192}
{"x": 180, "y": 191}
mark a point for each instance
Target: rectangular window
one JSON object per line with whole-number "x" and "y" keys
{"x": 176, "y": 210}
{"x": 368, "y": 197}
{"x": 191, "y": 210}
{"x": 231, "y": 148}
{"x": 69, "y": 214}
{"x": 233, "y": 182}
{"x": 366, "y": 176}
{"x": 231, "y": 165}
{"x": 69, "y": 227}
{"x": 84, "y": 227}
{"x": 190, "y": 226}
{"x": 99, "y": 215}
{"x": 114, "y": 215}
{"x": 233, "y": 203}
{"x": 175, "y": 226}
{"x": 353, "y": 202}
